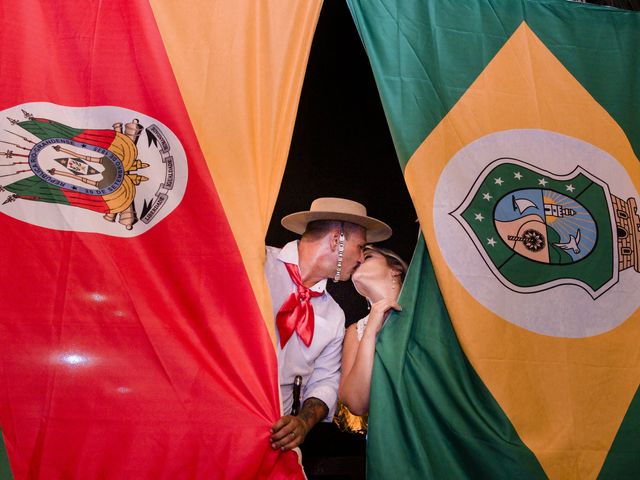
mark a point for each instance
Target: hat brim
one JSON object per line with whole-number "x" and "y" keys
{"x": 376, "y": 230}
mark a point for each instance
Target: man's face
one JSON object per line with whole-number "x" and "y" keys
{"x": 353, "y": 256}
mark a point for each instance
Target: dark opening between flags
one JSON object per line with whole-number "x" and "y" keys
{"x": 341, "y": 147}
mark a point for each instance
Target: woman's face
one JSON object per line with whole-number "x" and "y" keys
{"x": 374, "y": 269}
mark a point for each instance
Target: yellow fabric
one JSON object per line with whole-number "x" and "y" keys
{"x": 240, "y": 66}
{"x": 124, "y": 148}
{"x": 565, "y": 397}
{"x": 119, "y": 200}
{"x": 127, "y": 152}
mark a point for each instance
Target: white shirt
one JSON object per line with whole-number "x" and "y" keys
{"x": 319, "y": 363}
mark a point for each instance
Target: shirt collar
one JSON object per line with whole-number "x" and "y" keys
{"x": 289, "y": 254}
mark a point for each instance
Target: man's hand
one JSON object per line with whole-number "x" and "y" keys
{"x": 290, "y": 431}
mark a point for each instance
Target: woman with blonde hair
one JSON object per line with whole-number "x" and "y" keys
{"x": 379, "y": 280}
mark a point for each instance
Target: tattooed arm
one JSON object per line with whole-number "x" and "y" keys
{"x": 290, "y": 431}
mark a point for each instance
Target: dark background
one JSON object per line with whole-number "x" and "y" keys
{"x": 341, "y": 147}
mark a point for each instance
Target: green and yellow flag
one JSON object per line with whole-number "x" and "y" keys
{"x": 517, "y": 353}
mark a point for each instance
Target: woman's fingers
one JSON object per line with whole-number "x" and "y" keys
{"x": 386, "y": 304}
{"x": 380, "y": 311}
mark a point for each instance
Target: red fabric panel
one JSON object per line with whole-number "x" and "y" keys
{"x": 126, "y": 358}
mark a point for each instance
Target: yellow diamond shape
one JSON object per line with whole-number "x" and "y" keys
{"x": 566, "y": 397}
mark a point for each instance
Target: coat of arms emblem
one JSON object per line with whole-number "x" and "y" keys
{"x": 126, "y": 173}
{"x": 543, "y": 230}
{"x": 537, "y": 230}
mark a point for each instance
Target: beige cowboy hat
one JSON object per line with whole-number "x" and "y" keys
{"x": 341, "y": 209}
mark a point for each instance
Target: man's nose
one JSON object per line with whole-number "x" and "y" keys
{"x": 361, "y": 257}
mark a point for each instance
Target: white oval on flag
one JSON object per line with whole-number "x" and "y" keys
{"x": 542, "y": 229}
{"x": 102, "y": 169}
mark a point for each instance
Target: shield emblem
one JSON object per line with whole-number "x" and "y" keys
{"x": 537, "y": 230}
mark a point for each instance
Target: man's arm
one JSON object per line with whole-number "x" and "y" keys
{"x": 324, "y": 380}
{"x": 290, "y": 431}
{"x": 320, "y": 393}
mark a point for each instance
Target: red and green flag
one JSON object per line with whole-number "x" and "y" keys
{"x": 142, "y": 148}
{"x": 516, "y": 354}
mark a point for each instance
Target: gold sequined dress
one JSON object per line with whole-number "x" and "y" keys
{"x": 344, "y": 419}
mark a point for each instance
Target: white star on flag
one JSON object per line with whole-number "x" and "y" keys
{"x": 487, "y": 196}
{"x": 542, "y": 181}
{"x": 517, "y": 175}
{"x": 570, "y": 188}
{"x": 479, "y": 216}
{"x": 498, "y": 181}
{"x": 491, "y": 241}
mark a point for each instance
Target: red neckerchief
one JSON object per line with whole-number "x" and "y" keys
{"x": 296, "y": 313}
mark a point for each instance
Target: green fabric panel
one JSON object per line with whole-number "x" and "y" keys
{"x": 426, "y": 53}
{"x": 624, "y": 455}
{"x": 5, "y": 467}
{"x": 36, "y": 187}
{"x": 50, "y": 129}
{"x": 431, "y": 416}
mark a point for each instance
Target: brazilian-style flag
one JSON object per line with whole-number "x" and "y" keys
{"x": 516, "y": 354}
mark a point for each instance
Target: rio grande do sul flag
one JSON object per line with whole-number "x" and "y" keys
{"x": 516, "y": 354}
{"x": 142, "y": 149}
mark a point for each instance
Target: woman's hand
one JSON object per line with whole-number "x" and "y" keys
{"x": 379, "y": 313}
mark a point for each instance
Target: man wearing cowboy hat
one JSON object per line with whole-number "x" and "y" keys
{"x": 309, "y": 323}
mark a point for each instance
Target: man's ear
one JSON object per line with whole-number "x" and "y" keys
{"x": 334, "y": 239}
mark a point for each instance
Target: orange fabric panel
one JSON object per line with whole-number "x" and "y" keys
{"x": 240, "y": 66}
